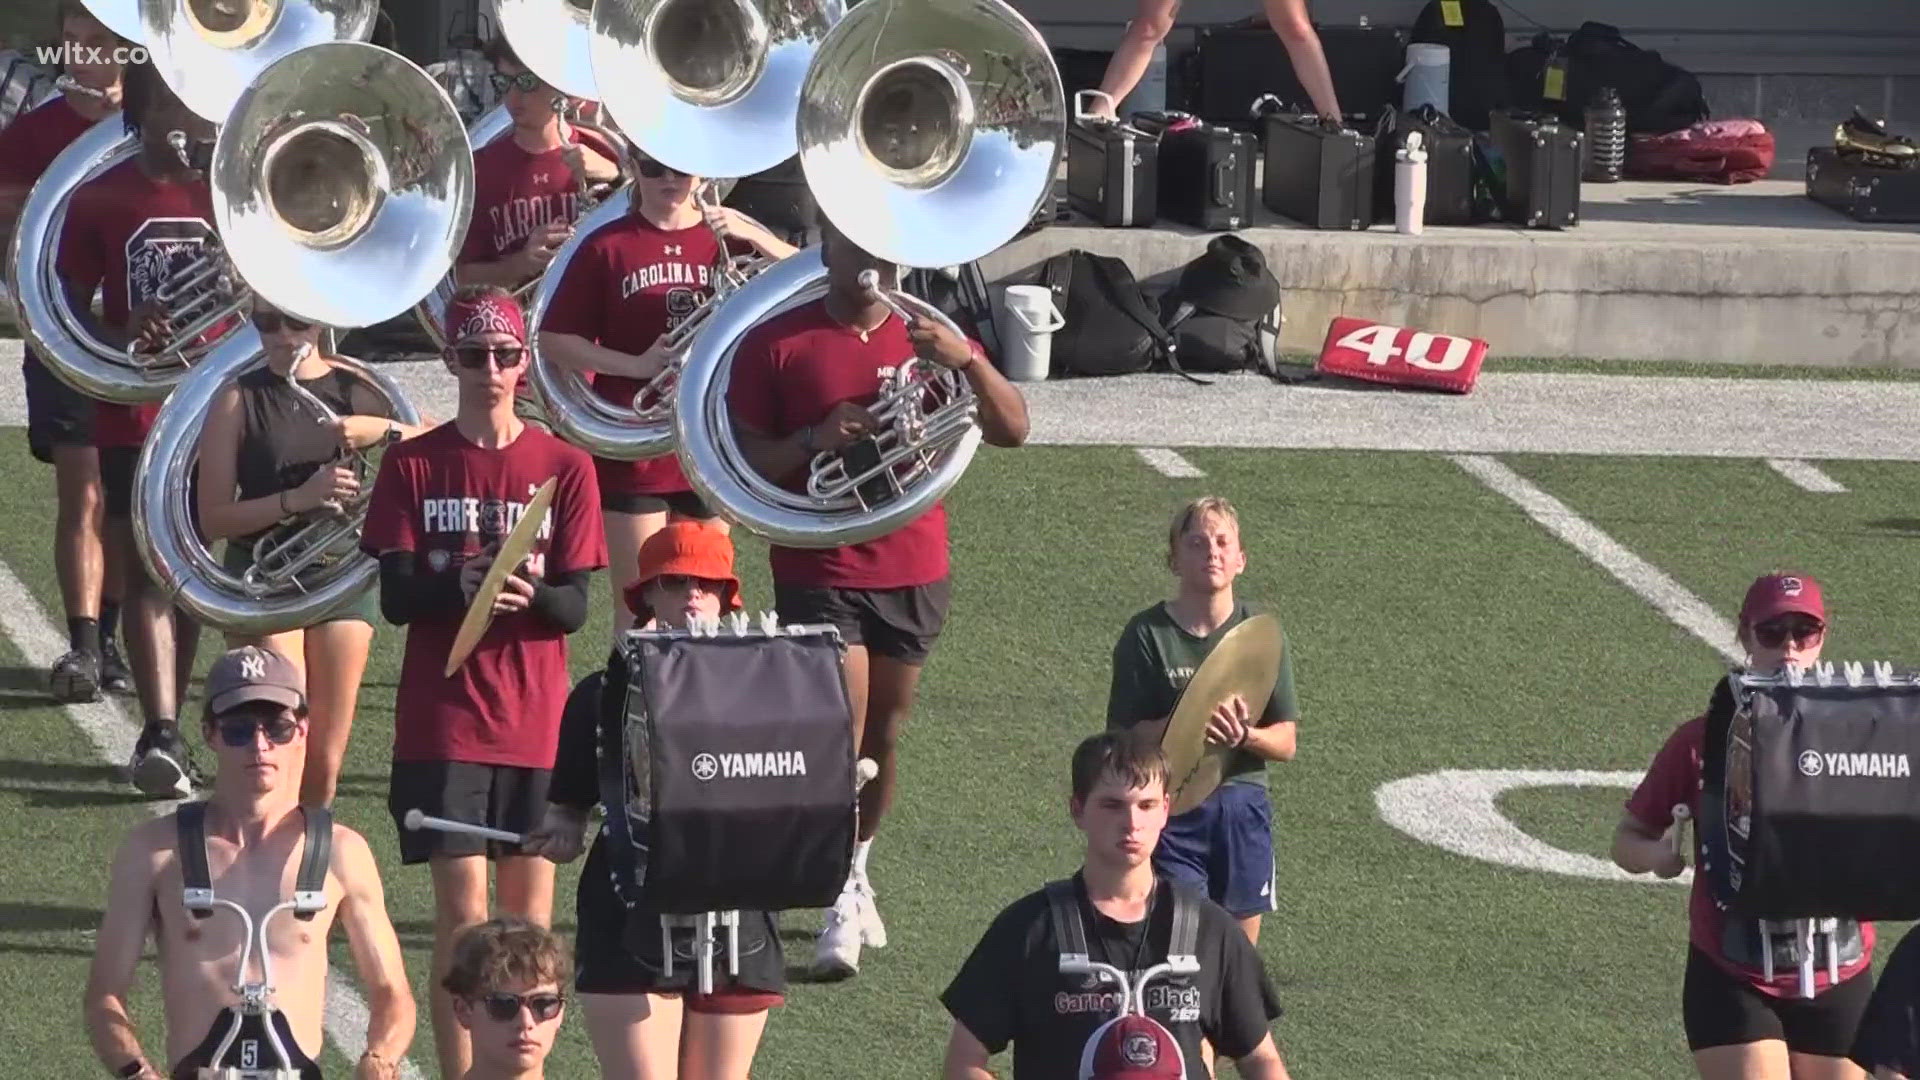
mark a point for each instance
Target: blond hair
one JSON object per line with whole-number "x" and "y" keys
{"x": 1197, "y": 510}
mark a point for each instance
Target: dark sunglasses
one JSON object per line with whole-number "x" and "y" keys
{"x": 526, "y": 82}
{"x": 503, "y": 1007}
{"x": 239, "y": 731}
{"x": 688, "y": 581}
{"x": 1773, "y": 635}
{"x": 476, "y": 356}
{"x": 270, "y": 322}
{"x": 653, "y": 170}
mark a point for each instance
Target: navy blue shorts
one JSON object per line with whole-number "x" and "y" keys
{"x": 1224, "y": 847}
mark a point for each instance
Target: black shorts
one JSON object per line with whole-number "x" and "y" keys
{"x": 57, "y": 414}
{"x": 900, "y": 624}
{"x": 497, "y": 796}
{"x": 1720, "y": 1010}
{"x": 609, "y": 960}
{"x": 683, "y": 504}
{"x": 117, "y": 465}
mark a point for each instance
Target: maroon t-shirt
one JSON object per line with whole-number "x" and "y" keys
{"x": 790, "y": 372}
{"x": 31, "y": 142}
{"x": 445, "y": 499}
{"x": 627, "y": 284}
{"x": 1672, "y": 780}
{"x": 126, "y": 233}
{"x": 516, "y": 192}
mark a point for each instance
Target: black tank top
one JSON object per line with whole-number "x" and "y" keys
{"x": 282, "y": 441}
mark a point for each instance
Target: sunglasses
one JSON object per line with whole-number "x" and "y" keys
{"x": 507, "y": 357}
{"x": 526, "y": 82}
{"x": 270, "y": 322}
{"x": 688, "y": 581}
{"x": 239, "y": 731}
{"x": 1774, "y": 634}
{"x": 503, "y": 1007}
{"x": 653, "y": 170}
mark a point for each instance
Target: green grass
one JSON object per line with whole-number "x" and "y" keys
{"x": 1434, "y": 627}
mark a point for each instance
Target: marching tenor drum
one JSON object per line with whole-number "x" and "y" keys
{"x": 1809, "y": 811}
{"x": 727, "y": 767}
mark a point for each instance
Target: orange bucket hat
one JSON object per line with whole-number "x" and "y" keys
{"x": 690, "y": 549}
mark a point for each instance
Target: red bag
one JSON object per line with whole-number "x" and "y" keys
{"x": 1376, "y": 352}
{"x": 1712, "y": 151}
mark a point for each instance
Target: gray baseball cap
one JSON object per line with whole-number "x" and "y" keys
{"x": 253, "y": 673}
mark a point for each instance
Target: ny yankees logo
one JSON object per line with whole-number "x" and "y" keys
{"x": 253, "y": 666}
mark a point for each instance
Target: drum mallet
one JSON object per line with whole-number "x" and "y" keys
{"x": 416, "y": 820}
{"x": 1681, "y": 815}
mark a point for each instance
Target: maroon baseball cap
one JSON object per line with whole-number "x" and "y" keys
{"x": 1775, "y": 595}
{"x": 1132, "y": 1048}
{"x": 253, "y": 673}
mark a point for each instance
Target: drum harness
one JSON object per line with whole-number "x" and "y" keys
{"x": 256, "y": 998}
{"x": 1070, "y": 937}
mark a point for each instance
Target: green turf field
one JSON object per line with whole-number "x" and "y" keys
{"x": 1435, "y": 627}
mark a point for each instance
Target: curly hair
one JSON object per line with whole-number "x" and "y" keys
{"x": 505, "y": 953}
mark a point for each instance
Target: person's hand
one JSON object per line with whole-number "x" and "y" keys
{"x": 148, "y": 326}
{"x": 1670, "y": 864}
{"x": 328, "y": 484}
{"x": 655, "y": 359}
{"x": 374, "y": 1067}
{"x": 360, "y": 432}
{"x": 541, "y": 245}
{"x": 933, "y": 340}
{"x": 843, "y": 425}
{"x": 1229, "y": 723}
{"x": 474, "y": 570}
{"x": 589, "y": 167}
{"x": 516, "y": 593}
{"x": 561, "y": 835}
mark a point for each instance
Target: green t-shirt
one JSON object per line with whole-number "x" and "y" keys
{"x": 1153, "y": 661}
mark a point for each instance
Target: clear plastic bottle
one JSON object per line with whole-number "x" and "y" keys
{"x": 1606, "y": 138}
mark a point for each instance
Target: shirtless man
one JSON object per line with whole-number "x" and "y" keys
{"x": 255, "y": 830}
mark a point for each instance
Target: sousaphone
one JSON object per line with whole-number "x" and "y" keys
{"x": 209, "y": 51}
{"x": 928, "y": 131}
{"x": 342, "y": 182}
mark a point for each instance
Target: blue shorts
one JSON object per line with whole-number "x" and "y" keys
{"x": 1224, "y": 847}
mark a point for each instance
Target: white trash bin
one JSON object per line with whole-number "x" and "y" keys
{"x": 1027, "y": 321}
{"x": 1428, "y": 76}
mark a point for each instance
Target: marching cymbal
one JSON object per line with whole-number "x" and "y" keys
{"x": 1247, "y": 663}
{"x": 512, "y": 550}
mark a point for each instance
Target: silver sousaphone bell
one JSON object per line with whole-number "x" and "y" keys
{"x": 211, "y": 50}
{"x": 343, "y": 182}
{"x": 120, "y": 16}
{"x": 928, "y": 131}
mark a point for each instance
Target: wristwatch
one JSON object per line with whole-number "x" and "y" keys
{"x": 393, "y": 433}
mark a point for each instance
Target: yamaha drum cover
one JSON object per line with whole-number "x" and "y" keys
{"x": 1809, "y": 805}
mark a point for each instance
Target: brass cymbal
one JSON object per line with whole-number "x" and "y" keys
{"x": 513, "y": 550}
{"x": 1247, "y": 663}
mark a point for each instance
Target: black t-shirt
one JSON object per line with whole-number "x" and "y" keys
{"x": 1889, "y": 1033}
{"x": 575, "y": 781}
{"x": 1010, "y": 989}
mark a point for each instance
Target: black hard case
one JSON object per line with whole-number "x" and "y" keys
{"x": 1542, "y": 158}
{"x": 1315, "y": 174}
{"x": 1449, "y": 148}
{"x": 1112, "y": 173}
{"x": 1231, "y": 66}
{"x": 1861, "y": 191}
{"x": 1206, "y": 172}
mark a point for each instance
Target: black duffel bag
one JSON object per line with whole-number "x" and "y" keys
{"x": 1809, "y": 807}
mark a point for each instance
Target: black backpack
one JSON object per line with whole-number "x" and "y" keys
{"x": 962, "y": 296}
{"x": 1224, "y": 311}
{"x": 1659, "y": 97}
{"x": 1476, "y": 56}
{"x": 1109, "y": 330}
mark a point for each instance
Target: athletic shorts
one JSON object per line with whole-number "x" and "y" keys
{"x": 1721, "y": 1010}
{"x": 57, "y": 414}
{"x": 238, "y": 559}
{"x": 498, "y": 796}
{"x": 117, "y": 465}
{"x": 609, "y": 960}
{"x": 899, "y": 624}
{"x": 1224, "y": 847}
{"x": 683, "y": 504}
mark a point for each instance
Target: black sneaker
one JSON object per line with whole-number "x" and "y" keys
{"x": 75, "y": 677}
{"x": 114, "y": 676}
{"x": 160, "y": 765}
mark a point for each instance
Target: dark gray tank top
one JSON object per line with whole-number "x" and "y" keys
{"x": 282, "y": 441}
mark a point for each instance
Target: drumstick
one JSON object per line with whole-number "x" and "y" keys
{"x": 1681, "y": 815}
{"x": 417, "y": 820}
{"x": 866, "y": 770}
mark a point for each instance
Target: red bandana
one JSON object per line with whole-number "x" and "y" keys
{"x": 488, "y": 314}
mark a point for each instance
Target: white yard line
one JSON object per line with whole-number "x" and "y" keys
{"x": 1806, "y": 476}
{"x": 1667, "y": 596}
{"x": 1168, "y": 463}
{"x": 112, "y": 730}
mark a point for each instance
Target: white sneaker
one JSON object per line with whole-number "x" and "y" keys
{"x": 836, "y": 953}
{"x": 873, "y": 932}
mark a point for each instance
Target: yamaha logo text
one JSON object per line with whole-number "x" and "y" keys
{"x": 749, "y": 766}
{"x": 1888, "y": 766}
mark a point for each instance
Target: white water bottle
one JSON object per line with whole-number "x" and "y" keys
{"x": 1410, "y": 187}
